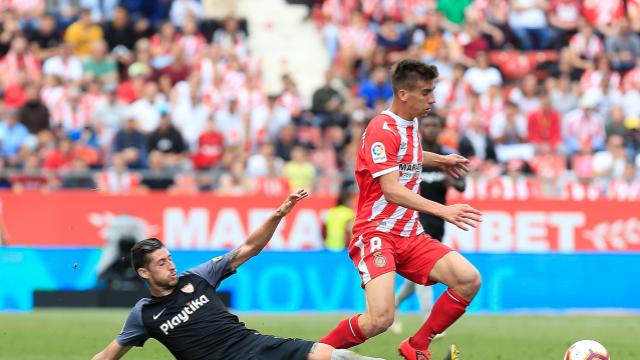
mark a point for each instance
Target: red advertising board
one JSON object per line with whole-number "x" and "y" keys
{"x": 211, "y": 222}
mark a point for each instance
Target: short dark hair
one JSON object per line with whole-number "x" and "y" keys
{"x": 140, "y": 250}
{"x": 405, "y": 74}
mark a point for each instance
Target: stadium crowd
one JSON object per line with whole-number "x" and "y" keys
{"x": 543, "y": 96}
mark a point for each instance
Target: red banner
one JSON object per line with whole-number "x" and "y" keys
{"x": 212, "y": 222}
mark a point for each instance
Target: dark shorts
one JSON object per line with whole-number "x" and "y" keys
{"x": 267, "y": 347}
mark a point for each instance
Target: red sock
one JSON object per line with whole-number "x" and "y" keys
{"x": 449, "y": 307}
{"x": 345, "y": 335}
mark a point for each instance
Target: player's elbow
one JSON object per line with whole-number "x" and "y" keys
{"x": 391, "y": 195}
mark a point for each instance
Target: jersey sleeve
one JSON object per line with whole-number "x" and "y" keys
{"x": 133, "y": 332}
{"x": 214, "y": 270}
{"x": 380, "y": 149}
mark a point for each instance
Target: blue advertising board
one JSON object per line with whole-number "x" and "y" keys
{"x": 327, "y": 281}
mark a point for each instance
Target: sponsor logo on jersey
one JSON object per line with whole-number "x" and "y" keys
{"x": 409, "y": 170}
{"x": 188, "y": 289}
{"x": 378, "y": 153}
{"x": 184, "y": 315}
{"x": 379, "y": 260}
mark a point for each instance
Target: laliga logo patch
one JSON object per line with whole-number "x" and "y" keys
{"x": 378, "y": 153}
{"x": 187, "y": 289}
{"x": 379, "y": 260}
{"x": 217, "y": 258}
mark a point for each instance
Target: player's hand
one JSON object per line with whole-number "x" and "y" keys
{"x": 462, "y": 216}
{"x": 455, "y": 165}
{"x": 291, "y": 201}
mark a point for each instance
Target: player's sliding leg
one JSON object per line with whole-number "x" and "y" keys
{"x": 376, "y": 319}
{"x": 463, "y": 280}
{"x": 327, "y": 352}
{"x": 407, "y": 288}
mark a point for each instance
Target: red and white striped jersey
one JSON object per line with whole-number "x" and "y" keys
{"x": 389, "y": 144}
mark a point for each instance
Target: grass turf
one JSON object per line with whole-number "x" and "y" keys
{"x": 78, "y": 334}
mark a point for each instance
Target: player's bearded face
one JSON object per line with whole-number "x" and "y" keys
{"x": 161, "y": 269}
{"x": 420, "y": 99}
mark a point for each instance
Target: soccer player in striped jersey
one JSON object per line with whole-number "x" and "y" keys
{"x": 387, "y": 236}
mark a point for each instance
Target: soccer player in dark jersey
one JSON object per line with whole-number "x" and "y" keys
{"x": 434, "y": 186}
{"x": 186, "y": 315}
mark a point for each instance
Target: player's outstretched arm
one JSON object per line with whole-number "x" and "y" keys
{"x": 461, "y": 215}
{"x": 261, "y": 236}
{"x": 113, "y": 351}
{"x": 454, "y": 164}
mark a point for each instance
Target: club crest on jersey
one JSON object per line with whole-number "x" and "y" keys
{"x": 378, "y": 153}
{"x": 187, "y": 289}
{"x": 379, "y": 260}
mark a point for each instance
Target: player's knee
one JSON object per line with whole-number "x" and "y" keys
{"x": 470, "y": 282}
{"x": 381, "y": 321}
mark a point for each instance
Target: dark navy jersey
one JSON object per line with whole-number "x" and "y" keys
{"x": 192, "y": 322}
{"x": 434, "y": 187}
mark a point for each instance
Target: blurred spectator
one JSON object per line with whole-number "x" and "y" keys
{"x": 264, "y": 162}
{"x": 482, "y": 76}
{"x": 564, "y": 18}
{"x": 266, "y": 120}
{"x": 167, "y": 140}
{"x": 290, "y": 97}
{"x": 232, "y": 123}
{"x": 583, "y": 125}
{"x": 543, "y": 124}
{"x": 339, "y": 221}
{"x": 231, "y": 38}
{"x": 158, "y": 176}
{"x": 609, "y": 164}
{"x": 286, "y": 141}
{"x": 30, "y": 176}
{"x": 526, "y": 96}
{"x": 585, "y": 44}
{"x": 34, "y": 114}
{"x": 146, "y": 110}
{"x": 81, "y": 35}
{"x": 45, "y": 39}
{"x": 182, "y": 9}
{"x": 119, "y": 31}
{"x": 192, "y": 42}
{"x": 623, "y": 47}
{"x": 615, "y": 122}
{"x": 378, "y": 87}
{"x": 65, "y": 65}
{"x": 603, "y": 14}
{"x": 78, "y": 176}
{"x": 19, "y": 61}
{"x": 562, "y": 95}
{"x": 528, "y": 22}
{"x": 453, "y": 10}
{"x": 108, "y": 116}
{"x": 627, "y": 187}
{"x": 299, "y": 170}
{"x": 324, "y": 95}
{"x": 235, "y": 182}
{"x": 210, "y": 147}
{"x": 175, "y": 72}
{"x": 476, "y": 143}
{"x": 130, "y": 144}
{"x": 118, "y": 179}
{"x": 13, "y": 135}
{"x": 61, "y": 156}
{"x": 548, "y": 166}
{"x": 509, "y": 127}
{"x": 393, "y": 38}
{"x": 100, "y": 67}
{"x": 9, "y": 29}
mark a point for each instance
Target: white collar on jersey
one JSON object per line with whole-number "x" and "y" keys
{"x": 399, "y": 121}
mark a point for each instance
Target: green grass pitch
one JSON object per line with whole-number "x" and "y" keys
{"x": 78, "y": 334}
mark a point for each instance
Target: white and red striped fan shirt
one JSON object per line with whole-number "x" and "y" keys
{"x": 389, "y": 144}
